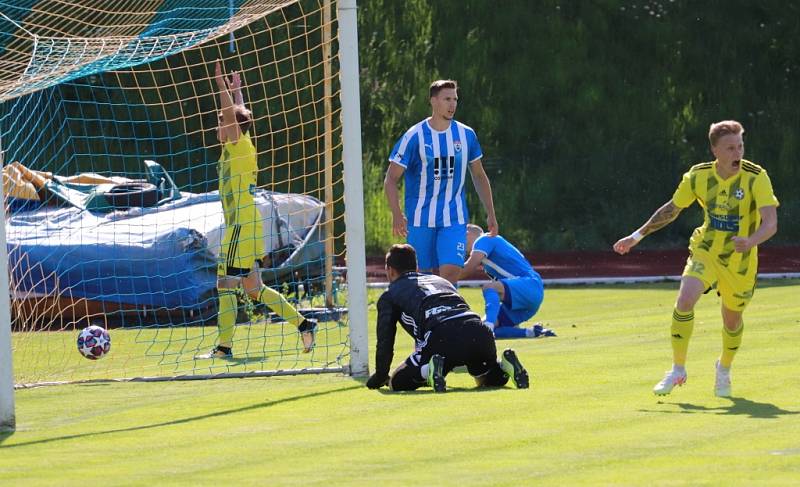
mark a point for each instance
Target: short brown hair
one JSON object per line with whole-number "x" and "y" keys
{"x": 402, "y": 258}
{"x": 441, "y": 84}
{"x": 719, "y": 130}
{"x": 243, "y": 117}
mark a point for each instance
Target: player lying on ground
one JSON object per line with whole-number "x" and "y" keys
{"x": 740, "y": 213}
{"x": 242, "y": 244}
{"x": 516, "y": 291}
{"x": 446, "y": 332}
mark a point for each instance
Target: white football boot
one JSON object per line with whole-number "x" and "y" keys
{"x": 671, "y": 379}
{"x": 722, "y": 384}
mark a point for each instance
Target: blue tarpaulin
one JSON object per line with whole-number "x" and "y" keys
{"x": 162, "y": 256}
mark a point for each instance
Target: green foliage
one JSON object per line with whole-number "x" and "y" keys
{"x": 395, "y": 59}
{"x": 588, "y": 112}
{"x": 589, "y": 417}
{"x": 377, "y": 214}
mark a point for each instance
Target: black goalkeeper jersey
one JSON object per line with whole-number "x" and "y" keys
{"x": 420, "y": 302}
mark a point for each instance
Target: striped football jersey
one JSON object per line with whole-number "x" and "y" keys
{"x": 730, "y": 209}
{"x": 435, "y": 166}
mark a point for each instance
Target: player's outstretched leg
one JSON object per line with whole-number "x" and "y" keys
{"x": 722, "y": 384}
{"x": 513, "y": 367}
{"x": 278, "y": 303}
{"x": 675, "y": 377}
{"x": 436, "y": 374}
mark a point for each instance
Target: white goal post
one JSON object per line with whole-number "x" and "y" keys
{"x": 354, "y": 193}
{"x": 7, "y": 418}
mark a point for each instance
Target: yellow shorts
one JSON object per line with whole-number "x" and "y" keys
{"x": 241, "y": 246}
{"x": 735, "y": 289}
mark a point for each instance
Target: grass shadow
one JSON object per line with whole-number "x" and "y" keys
{"x": 739, "y": 406}
{"x": 226, "y": 412}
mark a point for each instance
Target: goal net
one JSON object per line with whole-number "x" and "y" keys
{"x": 108, "y": 131}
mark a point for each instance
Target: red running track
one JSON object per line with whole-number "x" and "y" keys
{"x": 638, "y": 263}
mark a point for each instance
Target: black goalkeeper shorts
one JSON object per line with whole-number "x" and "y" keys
{"x": 461, "y": 341}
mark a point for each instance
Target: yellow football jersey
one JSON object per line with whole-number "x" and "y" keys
{"x": 238, "y": 175}
{"x": 730, "y": 208}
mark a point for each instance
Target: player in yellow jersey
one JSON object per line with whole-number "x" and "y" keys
{"x": 242, "y": 243}
{"x": 740, "y": 213}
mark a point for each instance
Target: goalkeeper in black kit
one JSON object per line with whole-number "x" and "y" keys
{"x": 446, "y": 332}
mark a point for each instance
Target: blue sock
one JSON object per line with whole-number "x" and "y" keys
{"x": 510, "y": 332}
{"x": 492, "y": 305}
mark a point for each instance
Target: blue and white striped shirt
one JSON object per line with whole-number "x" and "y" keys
{"x": 436, "y": 170}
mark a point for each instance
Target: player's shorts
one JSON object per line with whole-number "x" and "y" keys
{"x": 521, "y": 300}
{"x": 461, "y": 341}
{"x": 736, "y": 290}
{"x": 438, "y": 246}
{"x": 242, "y": 245}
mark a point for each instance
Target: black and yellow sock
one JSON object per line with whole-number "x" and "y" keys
{"x": 681, "y": 331}
{"x": 226, "y": 316}
{"x": 731, "y": 340}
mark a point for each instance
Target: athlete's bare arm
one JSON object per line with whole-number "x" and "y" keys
{"x": 660, "y": 219}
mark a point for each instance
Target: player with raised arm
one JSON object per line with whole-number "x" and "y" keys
{"x": 242, "y": 243}
{"x": 740, "y": 213}
{"x": 516, "y": 290}
{"x": 446, "y": 332}
{"x": 434, "y": 155}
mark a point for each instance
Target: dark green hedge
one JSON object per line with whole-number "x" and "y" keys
{"x": 588, "y": 112}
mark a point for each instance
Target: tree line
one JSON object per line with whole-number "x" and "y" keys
{"x": 588, "y": 112}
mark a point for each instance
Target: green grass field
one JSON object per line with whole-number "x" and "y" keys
{"x": 169, "y": 352}
{"x": 588, "y": 419}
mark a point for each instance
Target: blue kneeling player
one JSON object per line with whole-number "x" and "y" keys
{"x": 516, "y": 291}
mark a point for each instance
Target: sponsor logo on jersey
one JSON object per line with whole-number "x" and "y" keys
{"x": 443, "y": 167}
{"x": 437, "y": 310}
{"x": 726, "y": 223}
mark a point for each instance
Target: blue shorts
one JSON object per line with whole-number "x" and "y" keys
{"x": 438, "y": 246}
{"x": 522, "y": 298}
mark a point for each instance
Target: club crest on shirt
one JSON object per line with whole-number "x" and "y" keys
{"x": 457, "y": 145}
{"x": 739, "y": 194}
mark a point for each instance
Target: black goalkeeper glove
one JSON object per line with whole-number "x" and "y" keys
{"x": 377, "y": 380}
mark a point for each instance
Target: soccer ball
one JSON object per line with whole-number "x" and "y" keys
{"x": 94, "y": 342}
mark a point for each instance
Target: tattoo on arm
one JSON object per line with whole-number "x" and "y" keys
{"x": 661, "y": 218}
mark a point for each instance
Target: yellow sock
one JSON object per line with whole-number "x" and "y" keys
{"x": 730, "y": 344}
{"x": 226, "y": 316}
{"x": 681, "y": 331}
{"x": 277, "y": 303}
